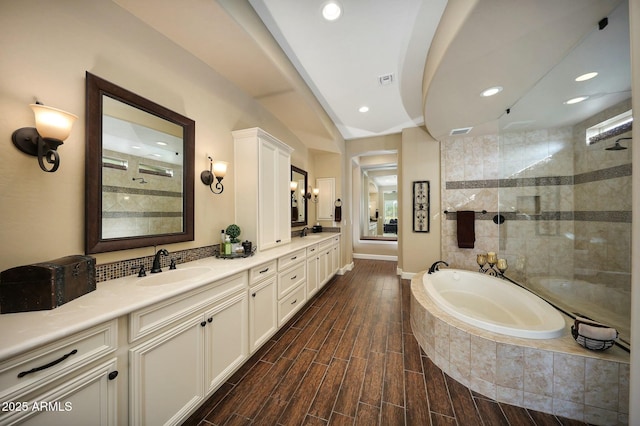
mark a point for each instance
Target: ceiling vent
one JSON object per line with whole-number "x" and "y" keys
{"x": 460, "y": 131}
{"x": 385, "y": 79}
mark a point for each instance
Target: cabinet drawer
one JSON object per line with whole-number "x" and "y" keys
{"x": 312, "y": 250}
{"x": 325, "y": 245}
{"x": 285, "y": 261}
{"x": 261, "y": 272}
{"x": 290, "y": 304}
{"x": 152, "y": 318}
{"x": 34, "y": 369}
{"x": 291, "y": 278}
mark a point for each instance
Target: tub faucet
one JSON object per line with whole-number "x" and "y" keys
{"x": 156, "y": 261}
{"x": 304, "y": 231}
{"x": 436, "y": 266}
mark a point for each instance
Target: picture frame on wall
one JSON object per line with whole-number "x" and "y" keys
{"x": 421, "y": 207}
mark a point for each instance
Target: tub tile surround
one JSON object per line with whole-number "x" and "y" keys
{"x": 556, "y": 376}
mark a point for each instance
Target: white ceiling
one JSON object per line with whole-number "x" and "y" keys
{"x": 314, "y": 75}
{"x": 342, "y": 60}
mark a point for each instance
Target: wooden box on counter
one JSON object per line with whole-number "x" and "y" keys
{"x": 46, "y": 285}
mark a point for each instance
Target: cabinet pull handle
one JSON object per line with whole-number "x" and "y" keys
{"x": 294, "y": 277}
{"x": 294, "y": 301}
{"x": 112, "y": 375}
{"x": 294, "y": 257}
{"x": 51, "y": 364}
{"x": 277, "y": 241}
{"x": 203, "y": 323}
{"x": 264, "y": 270}
{"x": 209, "y": 320}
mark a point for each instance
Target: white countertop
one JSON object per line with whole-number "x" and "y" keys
{"x": 20, "y": 332}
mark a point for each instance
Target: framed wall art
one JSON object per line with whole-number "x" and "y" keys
{"x": 421, "y": 193}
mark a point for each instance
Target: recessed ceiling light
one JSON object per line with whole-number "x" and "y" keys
{"x": 363, "y": 108}
{"x": 491, "y": 91}
{"x": 135, "y": 147}
{"x": 161, "y": 143}
{"x": 576, "y": 100}
{"x": 587, "y": 76}
{"x": 331, "y": 11}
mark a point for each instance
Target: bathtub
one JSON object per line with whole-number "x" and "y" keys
{"x": 493, "y": 304}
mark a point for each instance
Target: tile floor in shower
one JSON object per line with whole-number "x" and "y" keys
{"x": 350, "y": 358}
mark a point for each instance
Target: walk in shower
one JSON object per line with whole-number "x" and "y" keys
{"x": 565, "y": 194}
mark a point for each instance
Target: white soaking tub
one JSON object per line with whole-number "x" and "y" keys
{"x": 493, "y": 304}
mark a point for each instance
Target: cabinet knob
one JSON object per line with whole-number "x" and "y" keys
{"x": 203, "y": 323}
{"x": 253, "y": 295}
{"x": 113, "y": 375}
{"x": 209, "y": 320}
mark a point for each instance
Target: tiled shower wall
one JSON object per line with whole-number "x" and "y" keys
{"x": 567, "y": 208}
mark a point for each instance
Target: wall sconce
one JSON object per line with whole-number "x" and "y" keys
{"x": 52, "y": 128}
{"x": 315, "y": 192}
{"x": 293, "y": 185}
{"x": 217, "y": 170}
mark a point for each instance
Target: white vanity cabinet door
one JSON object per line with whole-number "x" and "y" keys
{"x": 312, "y": 275}
{"x": 263, "y": 315}
{"x": 335, "y": 255}
{"x": 324, "y": 261}
{"x": 226, "y": 339}
{"x": 263, "y": 210}
{"x": 166, "y": 374}
{"x": 86, "y": 398}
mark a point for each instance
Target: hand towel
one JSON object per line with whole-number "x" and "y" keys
{"x": 466, "y": 228}
{"x": 337, "y": 214}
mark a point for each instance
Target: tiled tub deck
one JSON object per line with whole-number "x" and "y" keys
{"x": 556, "y": 376}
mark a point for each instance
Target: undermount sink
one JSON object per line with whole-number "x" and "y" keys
{"x": 172, "y": 276}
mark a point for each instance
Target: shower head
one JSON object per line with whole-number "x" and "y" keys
{"x": 617, "y": 146}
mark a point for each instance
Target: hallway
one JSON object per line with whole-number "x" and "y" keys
{"x": 350, "y": 358}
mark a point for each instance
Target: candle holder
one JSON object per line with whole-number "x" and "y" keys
{"x": 491, "y": 265}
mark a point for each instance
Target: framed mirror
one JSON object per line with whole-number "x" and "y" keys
{"x": 299, "y": 187}
{"x": 139, "y": 171}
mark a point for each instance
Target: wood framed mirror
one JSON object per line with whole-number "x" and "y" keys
{"x": 138, "y": 172}
{"x": 298, "y": 201}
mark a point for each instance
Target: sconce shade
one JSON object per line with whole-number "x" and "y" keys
{"x": 52, "y": 128}
{"x": 53, "y": 123}
{"x": 220, "y": 169}
{"x": 316, "y": 191}
{"x": 217, "y": 171}
{"x": 293, "y": 185}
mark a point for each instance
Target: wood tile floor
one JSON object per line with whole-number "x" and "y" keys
{"x": 350, "y": 358}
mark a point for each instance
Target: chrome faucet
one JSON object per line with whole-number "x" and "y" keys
{"x": 156, "y": 261}
{"x": 436, "y": 266}
{"x": 304, "y": 231}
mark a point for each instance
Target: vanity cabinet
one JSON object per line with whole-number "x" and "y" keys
{"x": 328, "y": 260}
{"x": 292, "y": 279}
{"x": 263, "y": 304}
{"x": 263, "y": 209}
{"x": 72, "y": 381}
{"x": 204, "y": 333}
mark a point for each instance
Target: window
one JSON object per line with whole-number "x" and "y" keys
{"x": 617, "y": 125}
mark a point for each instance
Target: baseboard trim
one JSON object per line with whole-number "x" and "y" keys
{"x": 375, "y": 257}
{"x": 346, "y": 268}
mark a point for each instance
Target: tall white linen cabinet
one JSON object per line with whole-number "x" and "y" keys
{"x": 262, "y": 192}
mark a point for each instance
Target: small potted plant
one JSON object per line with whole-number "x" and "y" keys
{"x": 233, "y": 231}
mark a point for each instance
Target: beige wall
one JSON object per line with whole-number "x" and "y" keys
{"x": 47, "y": 47}
{"x": 420, "y": 160}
